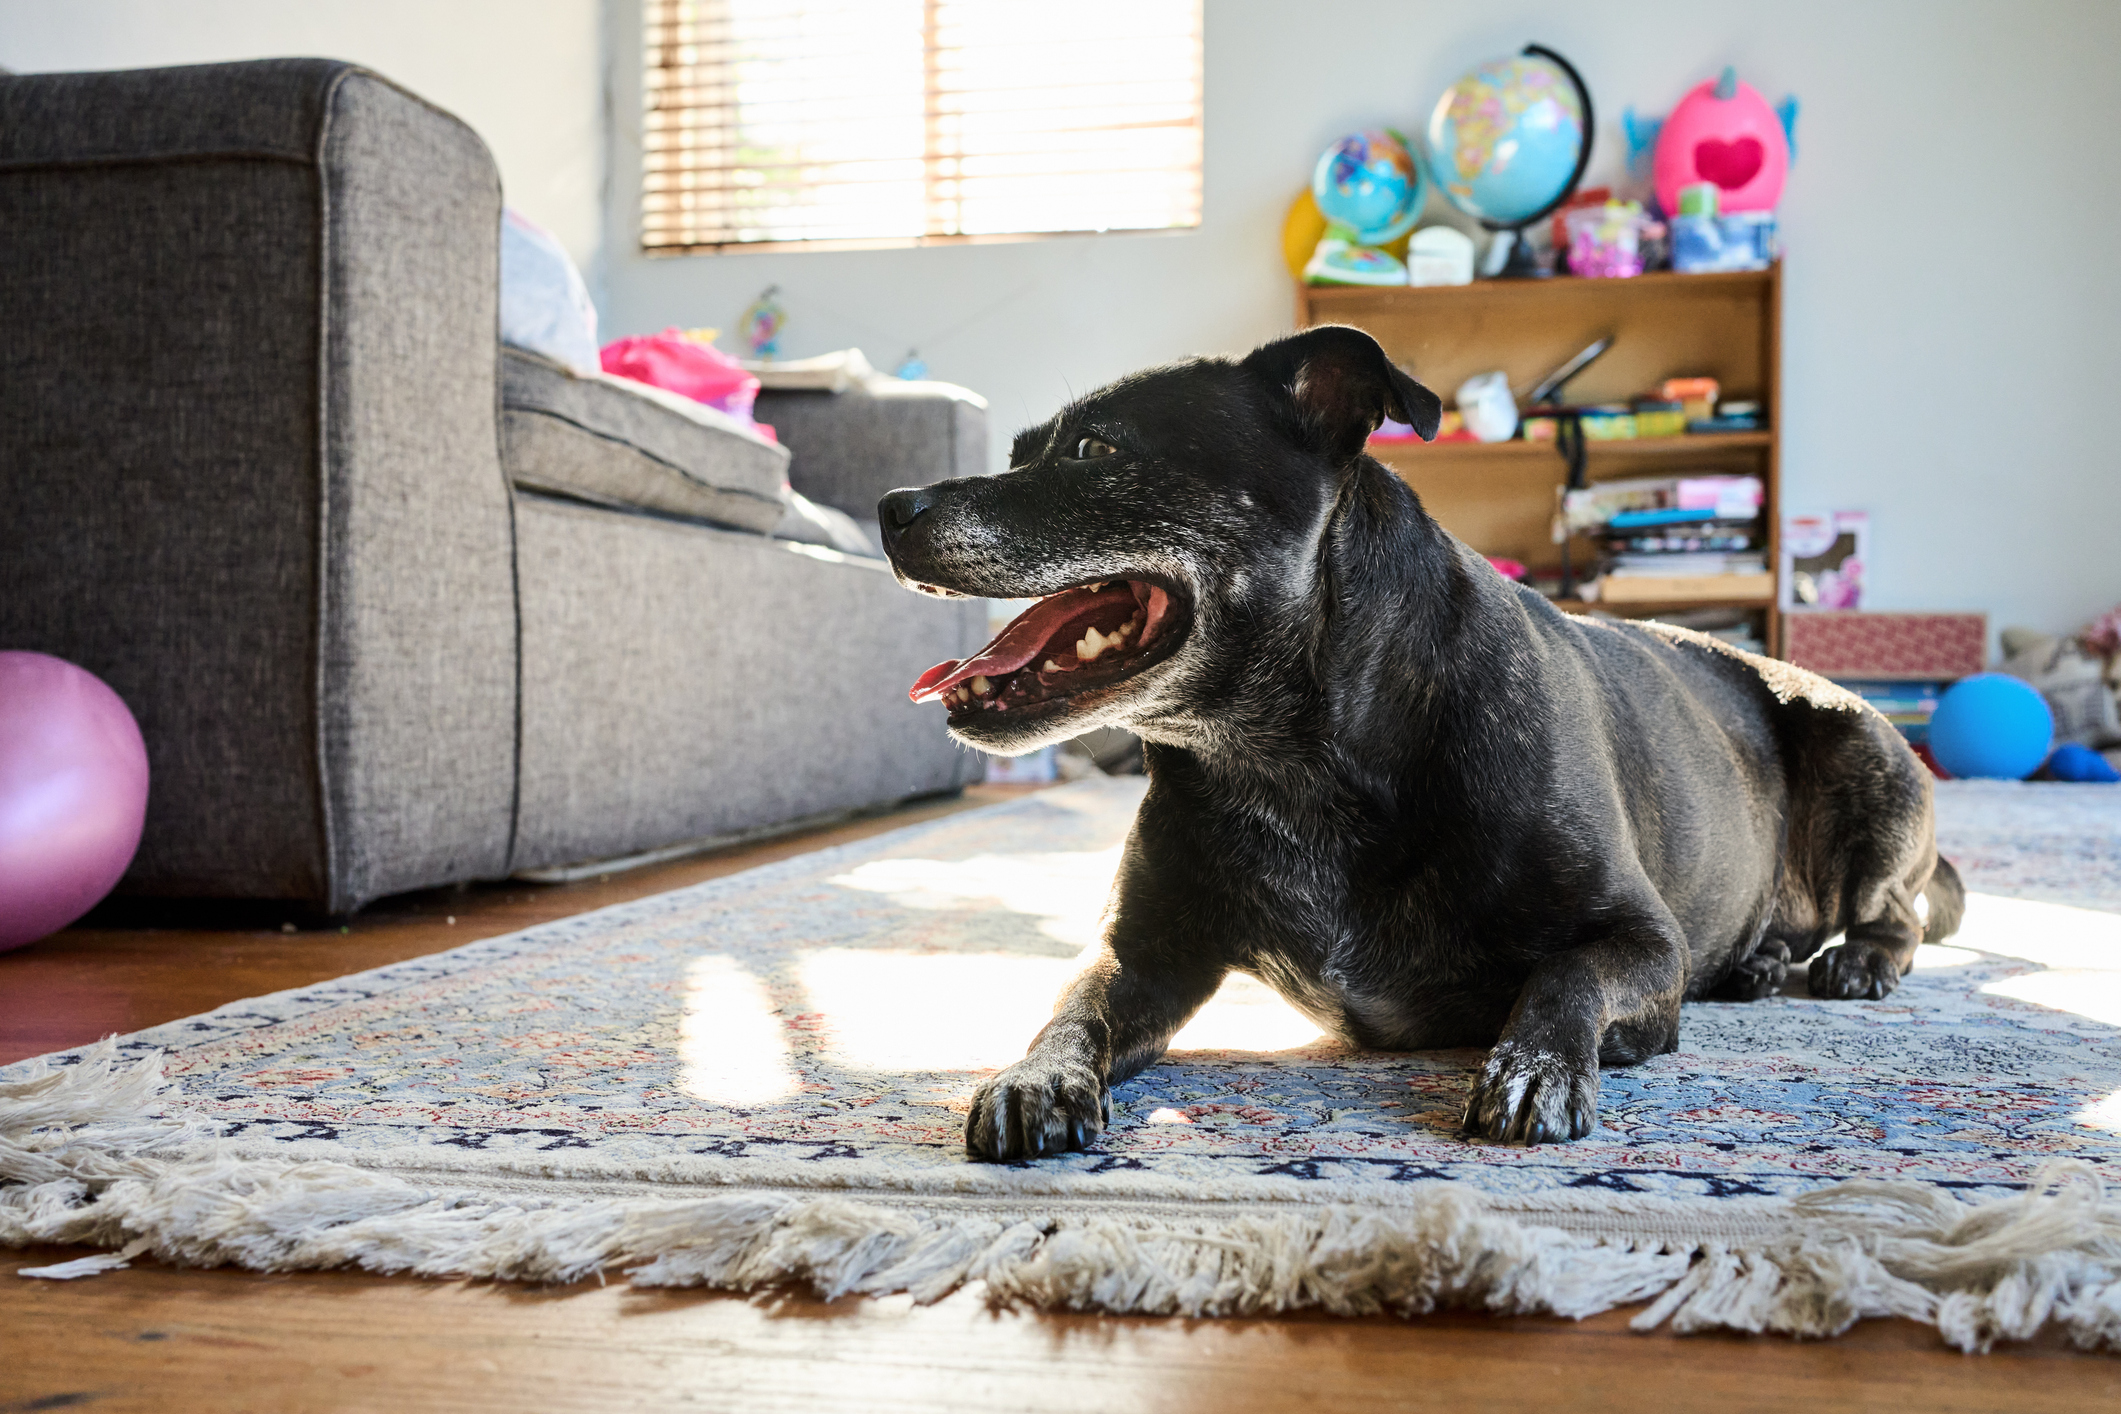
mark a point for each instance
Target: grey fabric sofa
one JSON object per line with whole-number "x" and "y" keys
{"x": 256, "y": 471}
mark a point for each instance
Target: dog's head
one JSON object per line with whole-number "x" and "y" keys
{"x": 1163, "y": 523}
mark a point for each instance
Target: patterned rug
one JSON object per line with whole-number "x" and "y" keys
{"x": 794, "y": 1047}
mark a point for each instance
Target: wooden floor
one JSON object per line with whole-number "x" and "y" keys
{"x": 158, "y": 1339}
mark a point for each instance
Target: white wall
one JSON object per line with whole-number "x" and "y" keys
{"x": 1952, "y": 306}
{"x": 527, "y": 74}
{"x": 1952, "y": 300}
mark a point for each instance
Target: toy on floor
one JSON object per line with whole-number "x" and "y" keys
{"x": 2075, "y": 762}
{"x": 73, "y": 794}
{"x": 1991, "y": 725}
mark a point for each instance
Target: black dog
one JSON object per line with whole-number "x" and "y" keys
{"x": 1422, "y": 804}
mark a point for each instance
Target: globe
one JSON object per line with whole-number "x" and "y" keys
{"x": 1368, "y": 184}
{"x": 1507, "y": 142}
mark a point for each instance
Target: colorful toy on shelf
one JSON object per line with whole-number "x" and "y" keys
{"x": 1991, "y": 725}
{"x": 1369, "y": 186}
{"x": 1305, "y": 226}
{"x": 1342, "y": 262}
{"x": 73, "y": 793}
{"x": 1605, "y": 242}
{"x": 1509, "y": 141}
{"x": 1369, "y": 190}
{"x": 1509, "y": 569}
{"x": 1723, "y": 132}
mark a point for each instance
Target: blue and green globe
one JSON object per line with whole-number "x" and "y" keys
{"x": 1368, "y": 185}
{"x": 1504, "y": 143}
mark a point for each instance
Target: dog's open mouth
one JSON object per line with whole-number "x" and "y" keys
{"x": 1081, "y": 638}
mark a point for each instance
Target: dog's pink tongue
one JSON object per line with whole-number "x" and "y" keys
{"x": 1021, "y": 641}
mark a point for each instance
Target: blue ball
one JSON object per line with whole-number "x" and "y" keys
{"x": 1992, "y": 725}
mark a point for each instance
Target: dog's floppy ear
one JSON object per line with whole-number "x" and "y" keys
{"x": 1343, "y": 386}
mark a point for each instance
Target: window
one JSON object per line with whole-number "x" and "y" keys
{"x": 897, "y": 122}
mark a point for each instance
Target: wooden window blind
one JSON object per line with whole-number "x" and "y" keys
{"x": 896, "y": 122}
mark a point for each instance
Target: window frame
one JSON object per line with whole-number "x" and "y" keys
{"x": 636, "y": 88}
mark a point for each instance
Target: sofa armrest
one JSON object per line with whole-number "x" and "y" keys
{"x": 850, "y": 448}
{"x": 249, "y": 458}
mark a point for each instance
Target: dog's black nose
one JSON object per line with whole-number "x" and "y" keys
{"x": 902, "y": 508}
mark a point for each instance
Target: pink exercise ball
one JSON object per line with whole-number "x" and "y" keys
{"x": 73, "y": 794}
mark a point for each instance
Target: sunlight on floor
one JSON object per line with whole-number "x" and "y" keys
{"x": 944, "y": 1011}
{"x": 2106, "y": 1114}
{"x": 2051, "y": 934}
{"x": 892, "y": 1011}
{"x": 1065, "y": 891}
{"x": 1246, "y": 1015}
{"x": 931, "y": 1011}
{"x": 903, "y": 1011}
{"x": 731, "y": 1049}
{"x": 2096, "y": 995}
{"x": 2078, "y": 948}
{"x": 2079, "y": 952}
{"x": 1931, "y": 956}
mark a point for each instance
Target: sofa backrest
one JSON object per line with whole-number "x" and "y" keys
{"x": 249, "y": 465}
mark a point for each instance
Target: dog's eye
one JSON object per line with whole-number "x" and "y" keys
{"x": 1091, "y": 447}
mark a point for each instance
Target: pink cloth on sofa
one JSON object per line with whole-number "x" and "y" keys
{"x": 689, "y": 368}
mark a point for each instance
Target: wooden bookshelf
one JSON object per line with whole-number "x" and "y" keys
{"x": 1500, "y": 497}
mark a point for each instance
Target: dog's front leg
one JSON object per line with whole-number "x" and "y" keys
{"x": 1116, "y": 1017}
{"x": 1614, "y": 998}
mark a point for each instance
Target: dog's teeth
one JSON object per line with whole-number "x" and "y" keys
{"x": 1097, "y": 586}
{"x": 981, "y": 686}
{"x": 1093, "y": 644}
{"x": 1053, "y": 667}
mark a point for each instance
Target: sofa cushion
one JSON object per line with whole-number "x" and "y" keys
{"x": 881, "y": 433}
{"x": 615, "y": 442}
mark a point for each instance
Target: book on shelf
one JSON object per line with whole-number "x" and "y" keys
{"x": 1670, "y": 564}
{"x": 1641, "y": 588}
{"x": 1907, "y": 704}
{"x": 1686, "y": 540}
{"x": 1657, "y": 503}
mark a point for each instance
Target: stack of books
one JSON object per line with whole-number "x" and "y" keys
{"x": 1674, "y": 538}
{"x": 1907, "y": 705}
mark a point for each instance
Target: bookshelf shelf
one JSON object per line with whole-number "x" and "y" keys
{"x": 1649, "y": 608}
{"x": 1707, "y": 446}
{"x": 1500, "y": 497}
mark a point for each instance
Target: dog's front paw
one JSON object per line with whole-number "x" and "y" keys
{"x": 1036, "y": 1108}
{"x": 1760, "y": 974}
{"x": 1860, "y": 971}
{"x": 1532, "y": 1097}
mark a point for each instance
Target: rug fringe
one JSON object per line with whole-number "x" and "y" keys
{"x": 90, "y": 1156}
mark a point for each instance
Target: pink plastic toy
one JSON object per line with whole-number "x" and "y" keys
{"x": 1723, "y": 132}
{"x": 73, "y": 794}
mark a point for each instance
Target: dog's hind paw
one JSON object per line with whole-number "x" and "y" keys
{"x": 1859, "y": 971}
{"x": 1532, "y": 1097}
{"x": 1759, "y": 974}
{"x": 1037, "y": 1108}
